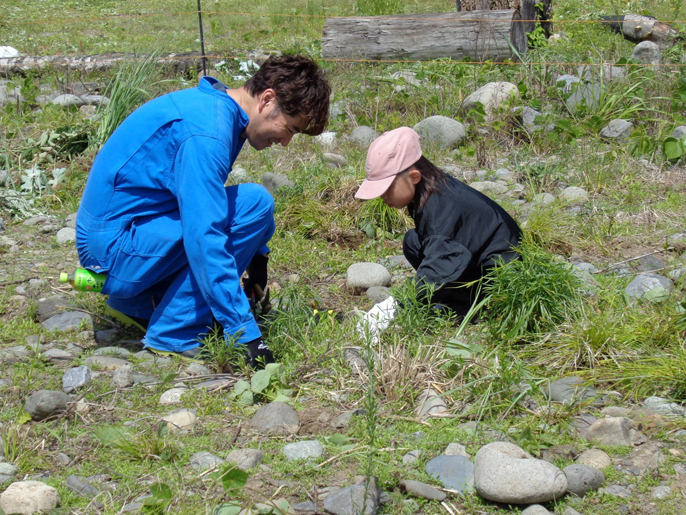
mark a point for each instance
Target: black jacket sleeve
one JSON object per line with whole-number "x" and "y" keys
{"x": 446, "y": 260}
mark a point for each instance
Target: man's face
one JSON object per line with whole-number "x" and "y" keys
{"x": 269, "y": 125}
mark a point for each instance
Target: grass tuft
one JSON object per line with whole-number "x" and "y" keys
{"x": 531, "y": 295}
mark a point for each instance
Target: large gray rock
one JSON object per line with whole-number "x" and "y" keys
{"x": 105, "y": 362}
{"x": 51, "y": 306}
{"x": 658, "y": 285}
{"x": 454, "y": 472}
{"x": 69, "y": 321}
{"x": 616, "y": 491}
{"x": 489, "y": 187}
{"x": 94, "y": 100}
{"x": 430, "y": 403}
{"x": 366, "y": 275}
{"x": 441, "y": 131}
{"x": 573, "y": 194}
{"x": 28, "y": 497}
{"x": 570, "y": 390}
{"x": 172, "y": 396}
{"x": 205, "y": 460}
{"x": 66, "y": 235}
{"x": 595, "y": 458}
{"x": 665, "y": 407}
{"x": 7, "y": 469}
{"x": 564, "y": 82}
{"x": 505, "y": 473}
{"x": 8, "y": 96}
{"x": 46, "y": 403}
{"x": 304, "y": 450}
{"x": 582, "y": 479}
{"x": 334, "y": 160}
{"x": 354, "y": 500}
{"x": 275, "y": 418}
{"x": 275, "y": 182}
{"x": 112, "y": 351}
{"x": 363, "y": 136}
{"x": 423, "y": 490}
{"x": 679, "y": 132}
{"x": 526, "y": 117}
{"x": 81, "y": 487}
{"x": 122, "y": 377}
{"x": 613, "y": 431}
{"x": 617, "y": 130}
{"x": 245, "y": 459}
{"x": 491, "y": 96}
{"x": 584, "y": 95}
{"x": 647, "y": 52}
{"x": 180, "y": 420}
{"x": 75, "y": 378}
{"x": 605, "y": 73}
{"x": 68, "y": 100}
{"x": 377, "y": 294}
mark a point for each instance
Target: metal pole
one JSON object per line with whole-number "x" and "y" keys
{"x": 202, "y": 40}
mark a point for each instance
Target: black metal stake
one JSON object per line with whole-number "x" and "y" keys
{"x": 202, "y": 40}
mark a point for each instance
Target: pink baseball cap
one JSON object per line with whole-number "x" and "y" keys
{"x": 389, "y": 154}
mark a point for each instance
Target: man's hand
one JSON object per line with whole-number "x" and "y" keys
{"x": 259, "y": 354}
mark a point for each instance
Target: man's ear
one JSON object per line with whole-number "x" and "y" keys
{"x": 267, "y": 99}
{"x": 415, "y": 176}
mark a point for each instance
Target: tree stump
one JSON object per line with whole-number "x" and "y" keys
{"x": 531, "y": 11}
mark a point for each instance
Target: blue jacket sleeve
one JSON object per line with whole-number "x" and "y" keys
{"x": 200, "y": 170}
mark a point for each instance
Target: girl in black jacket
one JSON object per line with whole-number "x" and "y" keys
{"x": 460, "y": 233}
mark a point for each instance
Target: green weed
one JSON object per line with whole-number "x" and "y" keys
{"x": 127, "y": 90}
{"x": 531, "y": 295}
{"x": 222, "y": 353}
{"x": 148, "y": 444}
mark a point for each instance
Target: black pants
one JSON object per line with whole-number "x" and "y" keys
{"x": 453, "y": 295}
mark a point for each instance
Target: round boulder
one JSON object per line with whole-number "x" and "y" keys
{"x": 505, "y": 473}
{"x": 28, "y": 497}
{"x": 46, "y": 403}
{"x": 491, "y": 96}
{"x": 441, "y": 131}
{"x": 595, "y": 458}
{"x": 582, "y": 479}
{"x": 363, "y": 136}
{"x": 366, "y": 275}
{"x": 647, "y": 52}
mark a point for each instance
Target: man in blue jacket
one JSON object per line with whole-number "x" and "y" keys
{"x": 157, "y": 218}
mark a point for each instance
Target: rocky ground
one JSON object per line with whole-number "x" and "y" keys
{"x": 434, "y": 419}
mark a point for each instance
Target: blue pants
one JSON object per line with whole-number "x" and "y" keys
{"x": 150, "y": 277}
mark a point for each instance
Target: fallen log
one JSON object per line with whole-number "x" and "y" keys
{"x": 476, "y": 35}
{"x": 637, "y": 28}
{"x": 176, "y": 64}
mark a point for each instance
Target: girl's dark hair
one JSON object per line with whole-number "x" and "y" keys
{"x": 433, "y": 178}
{"x": 300, "y": 85}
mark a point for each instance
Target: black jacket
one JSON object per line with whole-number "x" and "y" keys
{"x": 461, "y": 232}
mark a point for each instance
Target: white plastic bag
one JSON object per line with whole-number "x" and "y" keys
{"x": 377, "y": 319}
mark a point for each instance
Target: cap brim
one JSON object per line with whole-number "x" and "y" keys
{"x": 373, "y": 189}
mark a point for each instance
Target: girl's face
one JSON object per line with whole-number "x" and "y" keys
{"x": 401, "y": 191}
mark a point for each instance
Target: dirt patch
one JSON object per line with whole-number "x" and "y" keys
{"x": 317, "y": 421}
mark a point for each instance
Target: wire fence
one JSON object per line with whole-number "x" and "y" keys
{"x": 14, "y": 62}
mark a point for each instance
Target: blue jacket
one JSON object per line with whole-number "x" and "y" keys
{"x": 172, "y": 156}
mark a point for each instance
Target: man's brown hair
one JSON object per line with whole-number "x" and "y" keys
{"x": 300, "y": 86}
